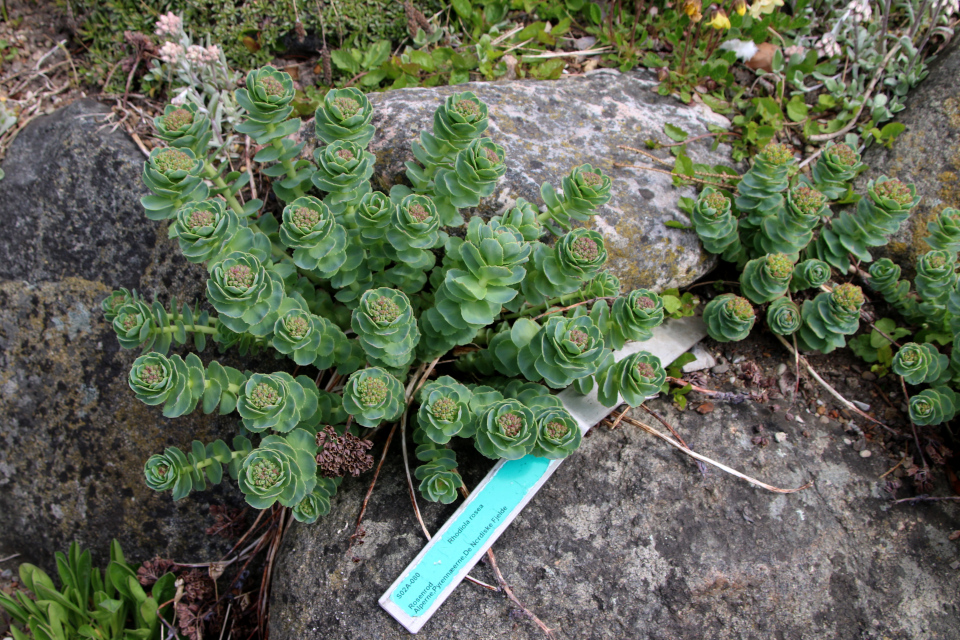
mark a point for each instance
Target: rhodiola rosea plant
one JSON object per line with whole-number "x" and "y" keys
{"x": 367, "y": 291}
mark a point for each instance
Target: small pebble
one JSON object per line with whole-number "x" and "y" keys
{"x": 863, "y": 406}
{"x": 868, "y": 375}
{"x": 798, "y": 419}
{"x": 781, "y": 369}
{"x": 739, "y": 359}
{"x": 780, "y": 436}
{"x": 865, "y": 453}
{"x": 847, "y": 441}
{"x": 721, "y": 368}
{"x": 823, "y": 419}
{"x": 955, "y": 565}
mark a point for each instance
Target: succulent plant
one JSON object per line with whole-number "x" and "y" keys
{"x": 604, "y": 285}
{"x": 933, "y": 406}
{"x": 179, "y": 472}
{"x": 791, "y": 229}
{"x": 885, "y": 279}
{"x": 878, "y": 216}
{"x": 729, "y": 318}
{"x": 944, "y": 231}
{"x": 344, "y": 115}
{"x": 715, "y": 225}
{"x": 506, "y": 429}
{"x": 318, "y": 240}
{"x": 245, "y": 294}
{"x": 177, "y": 384}
{"x": 761, "y": 187}
{"x": 343, "y": 173}
{"x": 810, "y": 274}
{"x": 634, "y": 317}
{"x": 139, "y": 324}
{"x": 316, "y": 503}
{"x": 921, "y": 364}
{"x": 185, "y": 127}
{"x": 204, "y": 228}
{"x": 767, "y": 278}
{"x": 276, "y": 401}
{"x": 372, "y": 395}
{"x": 829, "y": 317}
{"x": 524, "y": 218}
{"x": 439, "y": 479}
{"x": 460, "y": 120}
{"x": 558, "y": 434}
{"x": 372, "y": 217}
{"x": 585, "y": 189}
{"x": 473, "y": 176}
{"x": 836, "y": 167}
{"x": 173, "y": 175}
{"x": 444, "y": 409}
{"x": 282, "y": 469}
{"x": 576, "y": 257}
{"x": 783, "y": 317}
{"x": 307, "y": 338}
{"x": 936, "y": 275}
{"x": 635, "y": 378}
{"x": 386, "y": 327}
{"x": 564, "y": 350}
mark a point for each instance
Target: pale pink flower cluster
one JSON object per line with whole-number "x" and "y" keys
{"x": 860, "y": 10}
{"x": 168, "y": 24}
{"x": 827, "y": 46}
{"x": 170, "y": 52}
{"x": 953, "y": 6}
{"x": 203, "y": 55}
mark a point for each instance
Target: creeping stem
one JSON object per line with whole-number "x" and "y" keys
{"x": 211, "y": 172}
{"x": 288, "y": 165}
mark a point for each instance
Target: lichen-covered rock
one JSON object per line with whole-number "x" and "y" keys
{"x": 73, "y": 439}
{"x": 546, "y": 129}
{"x": 628, "y": 540}
{"x": 927, "y": 154}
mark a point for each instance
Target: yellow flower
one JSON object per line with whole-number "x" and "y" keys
{"x": 692, "y": 9}
{"x": 719, "y": 21}
{"x": 764, "y": 6}
{"x": 740, "y": 6}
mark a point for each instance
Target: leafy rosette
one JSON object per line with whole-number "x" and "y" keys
{"x": 878, "y": 216}
{"x": 936, "y": 276}
{"x": 604, "y": 285}
{"x": 246, "y": 295}
{"x": 762, "y": 186}
{"x": 729, "y": 318}
{"x": 635, "y": 315}
{"x": 439, "y": 479}
{"x": 318, "y": 240}
{"x": 576, "y": 257}
{"x": 921, "y": 364}
{"x": 415, "y": 226}
{"x": 766, "y": 278}
{"x": 386, "y": 327}
{"x": 715, "y": 224}
{"x": 282, "y": 469}
{"x": 112, "y": 304}
{"x": 934, "y": 406}
{"x": 184, "y": 127}
{"x": 783, "y": 317}
{"x": 176, "y": 384}
{"x": 304, "y": 337}
{"x": 944, "y": 231}
{"x": 316, "y": 503}
{"x": 635, "y": 378}
{"x": 203, "y": 228}
{"x": 132, "y": 323}
{"x": 373, "y": 215}
{"x": 558, "y": 434}
{"x": 266, "y": 99}
{"x": 564, "y": 350}
{"x": 275, "y": 401}
{"x": 809, "y": 274}
{"x": 372, "y": 395}
{"x": 182, "y": 472}
{"x": 836, "y": 167}
{"x": 885, "y": 279}
{"x": 474, "y": 175}
{"x": 524, "y": 218}
{"x": 173, "y": 175}
{"x": 791, "y": 229}
{"x": 585, "y": 189}
{"x": 461, "y": 119}
{"x": 507, "y": 429}
{"x": 503, "y": 350}
{"x": 829, "y": 317}
{"x": 345, "y": 115}
{"x": 444, "y": 409}
{"x": 343, "y": 172}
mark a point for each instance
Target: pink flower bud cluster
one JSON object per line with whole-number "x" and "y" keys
{"x": 170, "y": 52}
{"x": 168, "y": 24}
{"x": 203, "y": 55}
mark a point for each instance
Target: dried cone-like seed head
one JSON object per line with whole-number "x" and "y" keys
{"x": 510, "y": 424}
{"x": 444, "y": 409}
{"x": 177, "y": 118}
{"x": 347, "y": 106}
{"x": 843, "y": 155}
{"x": 740, "y": 308}
{"x": 777, "y": 154}
{"x": 585, "y": 249}
{"x": 779, "y": 266}
{"x": 894, "y": 190}
{"x": 372, "y": 391}
{"x": 808, "y": 201}
{"x": 170, "y": 160}
{"x": 264, "y": 396}
{"x": 344, "y": 454}
{"x": 305, "y": 218}
{"x": 849, "y": 297}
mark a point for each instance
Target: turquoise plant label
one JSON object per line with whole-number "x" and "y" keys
{"x": 465, "y": 537}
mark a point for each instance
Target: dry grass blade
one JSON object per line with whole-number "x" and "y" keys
{"x": 702, "y": 458}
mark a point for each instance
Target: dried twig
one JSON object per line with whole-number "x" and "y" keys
{"x": 700, "y": 466}
{"x": 670, "y": 173}
{"x": 897, "y": 466}
{"x": 926, "y": 498}
{"x": 16, "y": 555}
{"x": 719, "y": 465}
{"x": 725, "y": 396}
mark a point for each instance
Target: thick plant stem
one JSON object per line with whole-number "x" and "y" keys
{"x": 192, "y": 328}
{"x": 209, "y": 461}
{"x": 537, "y": 309}
{"x": 289, "y": 166}
{"x": 211, "y": 172}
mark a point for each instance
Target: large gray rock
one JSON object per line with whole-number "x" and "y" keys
{"x": 547, "y": 128}
{"x": 73, "y": 438}
{"x": 627, "y": 540}
{"x": 927, "y": 154}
